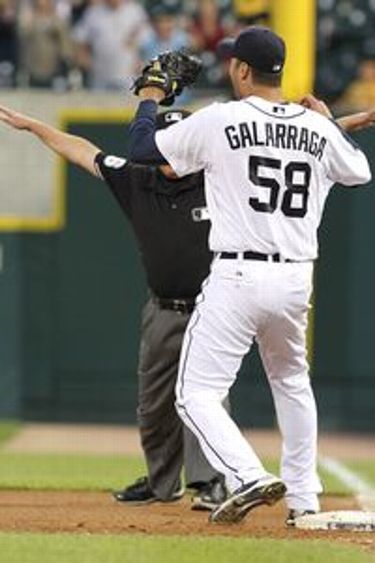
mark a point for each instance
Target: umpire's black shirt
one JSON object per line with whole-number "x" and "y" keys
{"x": 169, "y": 218}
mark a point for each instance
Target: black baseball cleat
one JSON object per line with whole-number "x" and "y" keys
{"x": 209, "y": 495}
{"x": 294, "y": 514}
{"x": 140, "y": 493}
{"x": 267, "y": 490}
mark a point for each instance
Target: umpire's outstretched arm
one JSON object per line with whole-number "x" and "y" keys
{"x": 76, "y": 150}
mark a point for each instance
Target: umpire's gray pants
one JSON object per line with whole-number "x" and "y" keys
{"x": 166, "y": 442}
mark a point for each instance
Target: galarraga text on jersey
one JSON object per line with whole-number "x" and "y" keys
{"x": 277, "y": 135}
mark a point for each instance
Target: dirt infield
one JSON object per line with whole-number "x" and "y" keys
{"x": 87, "y": 512}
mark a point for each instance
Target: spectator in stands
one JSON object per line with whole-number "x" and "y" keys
{"x": 210, "y": 24}
{"x": 8, "y": 43}
{"x": 178, "y": 6}
{"x": 345, "y": 38}
{"x": 166, "y": 33}
{"x": 108, "y": 36}
{"x": 207, "y": 30}
{"x": 361, "y": 93}
{"x": 78, "y": 9}
{"x": 45, "y": 46}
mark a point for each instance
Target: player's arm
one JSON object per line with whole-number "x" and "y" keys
{"x": 182, "y": 145}
{"x": 350, "y": 123}
{"x": 74, "y": 149}
{"x": 161, "y": 80}
{"x": 357, "y": 121}
{"x": 142, "y": 145}
{"x": 345, "y": 162}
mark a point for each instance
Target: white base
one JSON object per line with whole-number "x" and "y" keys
{"x": 351, "y": 520}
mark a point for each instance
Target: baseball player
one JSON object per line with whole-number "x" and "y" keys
{"x": 170, "y": 221}
{"x": 269, "y": 166}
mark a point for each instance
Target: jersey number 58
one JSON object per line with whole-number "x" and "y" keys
{"x": 288, "y": 202}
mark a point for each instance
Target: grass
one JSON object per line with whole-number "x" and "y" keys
{"x": 90, "y": 472}
{"x": 8, "y": 429}
{"x": 365, "y": 468}
{"x": 332, "y": 485}
{"x": 60, "y": 548}
{"x": 103, "y": 472}
{"x": 68, "y": 471}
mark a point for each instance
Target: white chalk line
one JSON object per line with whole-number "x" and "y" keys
{"x": 364, "y": 491}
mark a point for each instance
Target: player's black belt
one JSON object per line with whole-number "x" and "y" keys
{"x": 184, "y": 306}
{"x": 250, "y": 255}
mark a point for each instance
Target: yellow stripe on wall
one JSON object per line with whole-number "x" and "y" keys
{"x": 295, "y": 21}
{"x": 95, "y": 115}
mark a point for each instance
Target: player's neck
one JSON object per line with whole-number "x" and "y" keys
{"x": 270, "y": 94}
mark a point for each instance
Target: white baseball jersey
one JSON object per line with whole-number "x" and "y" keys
{"x": 268, "y": 170}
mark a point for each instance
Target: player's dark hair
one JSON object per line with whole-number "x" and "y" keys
{"x": 266, "y": 78}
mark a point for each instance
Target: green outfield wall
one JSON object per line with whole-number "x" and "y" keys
{"x": 71, "y": 301}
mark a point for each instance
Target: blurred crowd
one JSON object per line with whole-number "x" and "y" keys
{"x": 345, "y": 69}
{"x": 102, "y": 44}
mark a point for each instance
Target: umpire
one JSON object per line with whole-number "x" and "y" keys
{"x": 171, "y": 225}
{"x": 170, "y": 221}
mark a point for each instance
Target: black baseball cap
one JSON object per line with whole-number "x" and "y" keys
{"x": 167, "y": 118}
{"x": 257, "y": 46}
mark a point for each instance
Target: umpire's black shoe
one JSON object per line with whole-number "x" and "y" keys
{"x": 267, "y": 490}
{"x": 140, "y": 492}
{"x": 294, "y": 514}
{"x": 209, "y": 495}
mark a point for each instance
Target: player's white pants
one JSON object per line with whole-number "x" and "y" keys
{"x": 242, "y": 300}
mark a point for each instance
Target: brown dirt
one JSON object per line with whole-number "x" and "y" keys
{"x": 87, "y": 512}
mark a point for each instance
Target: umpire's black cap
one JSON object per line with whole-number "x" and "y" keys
{"x": 257, "y": 46}
{"x": 167, "y": 118}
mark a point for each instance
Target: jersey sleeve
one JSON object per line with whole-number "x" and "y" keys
{"x": 346, "y": 162}
{"x": 116, "y": 172}
{"x": 185, "y": 145}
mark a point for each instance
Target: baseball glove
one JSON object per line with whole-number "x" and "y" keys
{"x": 171, "y": 71}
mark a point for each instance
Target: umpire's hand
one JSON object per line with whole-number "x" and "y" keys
{"x": 14, "y": 119}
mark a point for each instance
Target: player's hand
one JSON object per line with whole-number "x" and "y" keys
{"x": 154, "y": 83}
{"x": 369, "y": 118}
{"x": 152, "y": 93}
{"x": 14, "y": 119}
{"x": 357, "y": 121}
{"x": 311, "y": 102}
{"x": 165, "y": 76}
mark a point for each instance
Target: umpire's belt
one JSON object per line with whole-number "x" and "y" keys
{"x": 250, "y": 255}
{"x": 184, "y": 306}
